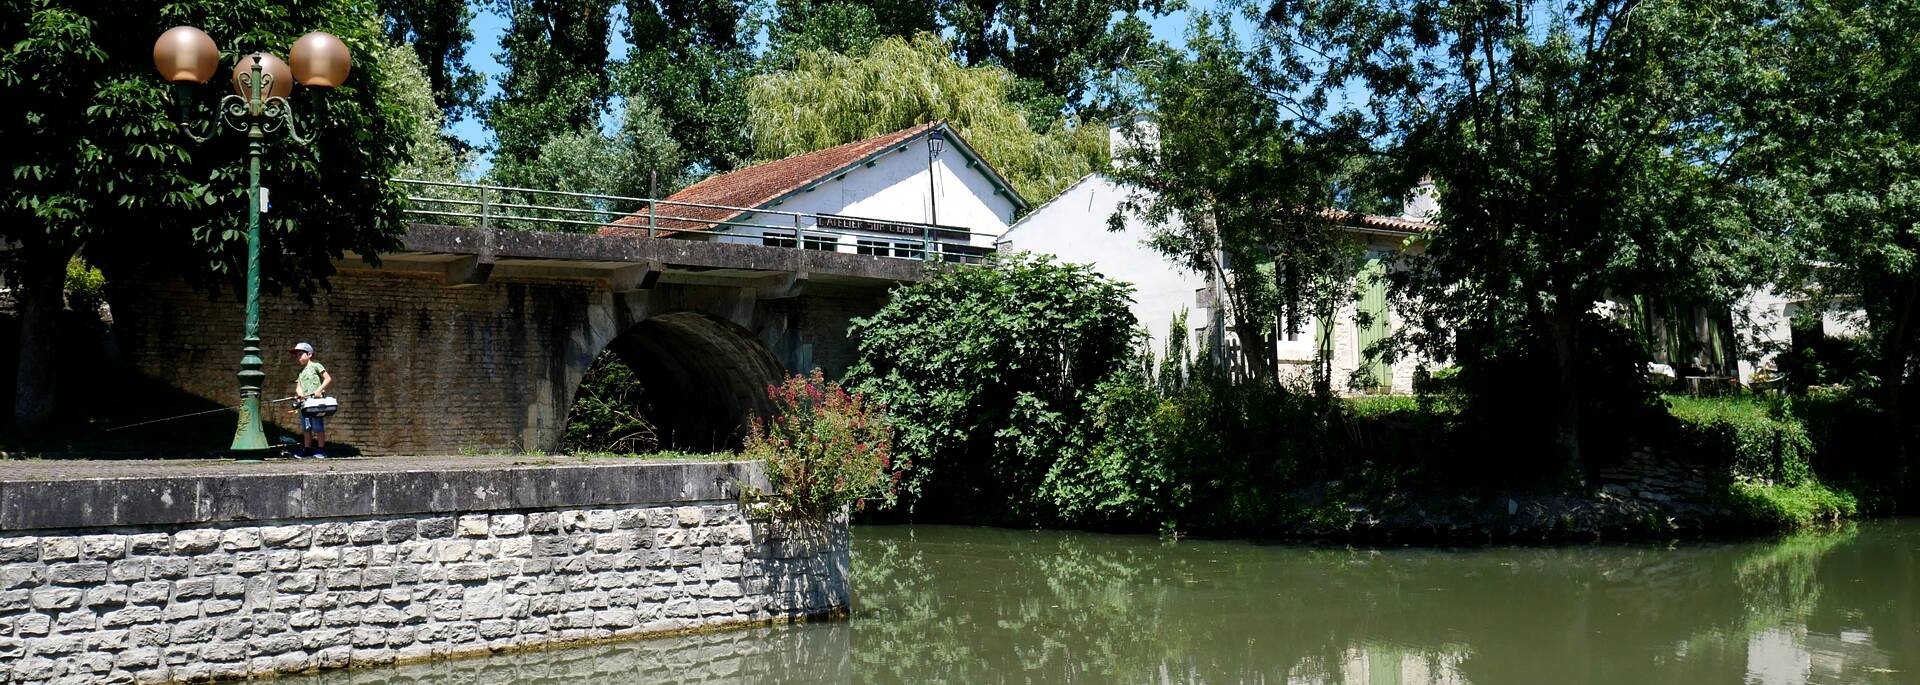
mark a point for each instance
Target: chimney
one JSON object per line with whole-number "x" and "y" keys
{"x": 1127, "y": 132}
{"x": 1422, "y": 203}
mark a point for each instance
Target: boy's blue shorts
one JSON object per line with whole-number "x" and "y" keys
{"x": 313, "y": 424}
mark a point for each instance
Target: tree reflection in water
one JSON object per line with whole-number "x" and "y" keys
{"x": 990, "y": 606}
{"x": 968, "y": 605}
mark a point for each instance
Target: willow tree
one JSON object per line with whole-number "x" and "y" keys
{"x": 828, "y": 99}
{"x": 102, "y": 165}
{"x": 1577, "y": 147}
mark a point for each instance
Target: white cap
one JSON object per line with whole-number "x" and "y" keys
{"x": 302, "y": 347}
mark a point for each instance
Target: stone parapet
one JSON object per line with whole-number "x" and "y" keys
{"x": 220, "y": 597}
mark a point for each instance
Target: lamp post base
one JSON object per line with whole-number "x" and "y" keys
{"x": 248, "y": 435}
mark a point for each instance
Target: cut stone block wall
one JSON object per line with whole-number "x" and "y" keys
{"x": 235, "y": 598}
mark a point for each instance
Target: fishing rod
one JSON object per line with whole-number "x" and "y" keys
{"x": 188, "y": 416}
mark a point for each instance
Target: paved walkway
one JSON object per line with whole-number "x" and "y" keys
{"x": 95, "y": 469}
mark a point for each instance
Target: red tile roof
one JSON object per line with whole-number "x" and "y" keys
{"x": 1376, "y": 221}
{"x": 757, "y": 185}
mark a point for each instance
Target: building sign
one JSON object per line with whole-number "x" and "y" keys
{"x": 848, "y": 223}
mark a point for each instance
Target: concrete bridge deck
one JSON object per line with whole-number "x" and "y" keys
{"x": 470, "y": 256}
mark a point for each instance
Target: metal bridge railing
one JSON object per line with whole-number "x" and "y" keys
{"x": 533, "y": 209}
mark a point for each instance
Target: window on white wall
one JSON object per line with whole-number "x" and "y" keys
{"x": 778, "y": 239}
{"x": 886, "y": 248}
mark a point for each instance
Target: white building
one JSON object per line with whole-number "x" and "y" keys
{"x": 892, "y": 195}
{"x": 1074, "y": 227}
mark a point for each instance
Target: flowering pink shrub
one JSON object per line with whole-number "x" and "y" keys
{"x": 824, "y": 448}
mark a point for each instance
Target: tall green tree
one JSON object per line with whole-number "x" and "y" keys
{"x": 1838, "y": 133}
{"x": 828, "y": 99}
{"x": 1057, "y": 49}
{"x": 1236, "y": 183}
{"x": 692, "y": 61}
{"x": 1575, "y": 146}
{"x": 557, "y": 79}
{"x": 107, "y": 169}
{"x": 430, "y": 155}
{"x": 439, "y": 32}
{"x": 847, "y": 28}
{"x": 588, "y": 161}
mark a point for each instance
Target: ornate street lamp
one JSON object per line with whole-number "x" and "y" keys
{"x": 185, "y": 56}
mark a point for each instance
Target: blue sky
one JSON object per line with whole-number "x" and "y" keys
{"x": 489, "y": 27}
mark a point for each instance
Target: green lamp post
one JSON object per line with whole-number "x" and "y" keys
{"x": 185, "y": 56}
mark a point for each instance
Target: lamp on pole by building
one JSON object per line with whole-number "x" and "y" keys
{"x": 186, "y": 56}
{"x": 935, "y": 145}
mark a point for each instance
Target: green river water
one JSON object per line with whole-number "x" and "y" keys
{"x": 966, "y": 605}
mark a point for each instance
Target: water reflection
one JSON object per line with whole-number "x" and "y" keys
{"x": 1011, "y": 606}
{"x": 779, "y": 655}
{"x": 960, "y": 605}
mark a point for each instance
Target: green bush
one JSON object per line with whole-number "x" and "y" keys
{"x": 989, "y": 373}
{"x": 85, "y": 286}
{"x": 1126, "y": 477}
{"x": 1212, "y": 456}
{"x": 824, "y": 448}
{"x": 1803, "y": 504}
{"x": 1848, "y": 432}
{"x": 1750, "y": 438}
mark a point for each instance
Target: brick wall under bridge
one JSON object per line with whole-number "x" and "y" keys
{"x": 477, "y": 340}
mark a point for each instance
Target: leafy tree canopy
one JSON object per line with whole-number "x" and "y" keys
{"x": 828, "y": 99}
{"x": 430, "y": 155}
{"x": 439, "y": 32}
{"x": 1575, "y": 146}
{"x": 1234, "y": 183}
{"x": 1057, "y": 49}
{"x": 691, "y": 60}
{"x": 587, "y": 161}
{"x": 555, "y": 54}
{"x": 107, "y": 168}
{"x": 844, "y": 27}
{"x": 1833, "y": 131}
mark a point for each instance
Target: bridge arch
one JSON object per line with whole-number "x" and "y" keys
{"x": 702, "y": 377}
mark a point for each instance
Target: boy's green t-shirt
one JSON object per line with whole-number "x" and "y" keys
{"x": 309, "y": 377}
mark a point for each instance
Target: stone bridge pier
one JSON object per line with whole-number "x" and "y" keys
{"x": 476, "y": 340}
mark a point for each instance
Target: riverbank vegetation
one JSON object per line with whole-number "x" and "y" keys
{"x": 1016, "y": 403}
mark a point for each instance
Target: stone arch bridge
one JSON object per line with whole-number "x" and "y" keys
{"x": 474, "y": 339}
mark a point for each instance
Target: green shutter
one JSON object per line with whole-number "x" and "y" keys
{"x": 1373, "y": 301}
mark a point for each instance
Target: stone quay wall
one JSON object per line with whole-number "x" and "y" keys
{"x": 152, "y": 599}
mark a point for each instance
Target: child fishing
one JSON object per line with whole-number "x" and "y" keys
{"x": 312, "y": 382}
